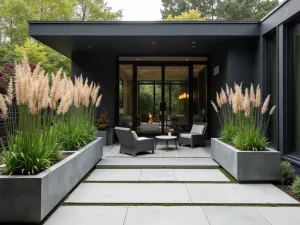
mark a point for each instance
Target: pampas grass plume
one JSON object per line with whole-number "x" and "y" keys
{"x": 3, "y": 107}
{"x": 265, "y": 105}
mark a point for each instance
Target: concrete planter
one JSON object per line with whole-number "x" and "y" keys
{"x": 103, "y": 134}
{"x": 247, "y": 166}
{"x": 31, "y": 198}
{"x": 108, "y": 135}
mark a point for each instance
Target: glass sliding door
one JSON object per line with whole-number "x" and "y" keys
{"x": 149, "y": 98}
{"x": 176, "y": 98}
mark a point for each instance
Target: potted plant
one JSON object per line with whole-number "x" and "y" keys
{"x": 52, "y": 145}
{"x": 242, "y": 147}
{"x": 104, "y": 130}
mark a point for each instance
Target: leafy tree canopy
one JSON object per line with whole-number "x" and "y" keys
{"x": 220, "y": 9}
{"x": 190, "y": 15}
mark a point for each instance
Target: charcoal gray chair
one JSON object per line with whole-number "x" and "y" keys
{"x": 131, "y": 143}
{"x": 195, "y": 137}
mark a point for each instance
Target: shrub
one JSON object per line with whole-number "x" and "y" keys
{"x": 296, "y": 186}
{"x": 243, "y": 119}
{"x": 287, "y": 173}
{"x": 102, "y": 121}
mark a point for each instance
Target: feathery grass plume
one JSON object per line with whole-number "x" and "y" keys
{"x": 10, "y": 94}
{"x": 265, "y": 106}
{"x": 3, "y": 107}
{"x": 218, "y": 100}
{"x": 227, "y": 90}
{"x": 252, "y": 95}
{"x": 258, "y": 97}
{"x": 98, "y": 102}
{"x": 247, "y": 104}
{"x": 272, "y": 110}
{"x": 223, "y": 97}
{"x": 214, "y": 106}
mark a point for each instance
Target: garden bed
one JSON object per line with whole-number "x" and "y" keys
{"x": 247, "y": 166}
{"x": 288, "y": 190}
{"x": 31, "y": 198}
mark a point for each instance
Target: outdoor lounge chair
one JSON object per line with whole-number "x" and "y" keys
{"x": 131, "y": 143}
{"x": 195, "y": 137}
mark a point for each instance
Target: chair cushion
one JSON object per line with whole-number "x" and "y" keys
{"x": 135, "y": 135}
{"x": 189, "y": 136}
{"x": 143, "y": 138}
{"x": 197, "y": 129}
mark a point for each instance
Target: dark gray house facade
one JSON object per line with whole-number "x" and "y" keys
{"x": 155, "y": 73}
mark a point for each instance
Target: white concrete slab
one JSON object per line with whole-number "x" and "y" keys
{"x": 157, "y": 175}
{"x": 115, "y": 175}
{"x": 281, "y": 215}
{"x": 129, "y": 193}
{"x": 238, "y": 193}
{"x": 218, "y": 215}
{"x": 110, "y": 162}
{"x": 88, "y": 215}
{"x": 159, "y": 215}
{"x": 211, "y": 175}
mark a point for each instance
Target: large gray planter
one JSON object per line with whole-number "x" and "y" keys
{"x": 247, "y": 166}
{"x": 31, "y": 198}
{"x": 107, "y": 134}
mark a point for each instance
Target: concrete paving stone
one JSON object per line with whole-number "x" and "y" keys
{"x": 210, "y": 175}
{"x": 129, "y": 193}
{"x": 281, "y": 215}
{"x": 160, "y": 215}
{"x": 115, "y": 175}
{"x": 238, "y": 193}
{"x": 218, "y": 215}
{"x": 112, "y": 162}
{"x": 157, "y": 175}
{"x": 88, "y": 215}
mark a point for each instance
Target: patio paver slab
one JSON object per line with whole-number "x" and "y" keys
{"x": 218, "y": 215}
{"x": 129, "y": 193}
{"x": 281, "y": 215}
{"x": 158, "y": 175}
{"x": 88, "y": 215}
{"x": 160, "y": 215}
{"x": 110, "y": 162}
{"x": 238, "y": 193}
{"x": 115, "y": 175}
{"x": 200, "y": 175}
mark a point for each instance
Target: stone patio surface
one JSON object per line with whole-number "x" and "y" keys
{"x": 174, "y": 215}
{"x": 177, "y": 163}
{"x": 179, "y": 175}
{"x": 147, "y": 193}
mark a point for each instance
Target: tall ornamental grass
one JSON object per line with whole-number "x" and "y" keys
{"x": 77, "y": 110}
{"x": 45, "y": 106}
{"x": 244, "y": 120}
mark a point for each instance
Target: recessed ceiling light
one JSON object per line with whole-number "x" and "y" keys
{"x": 89, "y": 46}
{"x": 193, "y": 46}
{"x": 186, "y": 59}
{"x": 153, "y": 42}
{"x": 194, "y": 42}
{"x": 137, "y": 59}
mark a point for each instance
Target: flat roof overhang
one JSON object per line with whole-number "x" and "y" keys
{"x": 138, "y": 37}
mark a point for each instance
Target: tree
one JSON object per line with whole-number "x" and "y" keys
{"x": 174, "y": 7}
{"x": 246, "y": 9}
{"x": 220, "y": 9}
{"x": 93, "y": 10}
{"x": 190, "y": 15}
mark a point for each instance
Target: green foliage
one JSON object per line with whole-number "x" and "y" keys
{"x": 190, "y": 15}
{"x": 102, "y": 121}
{"x": 7, "y": 54}
{"x": 228, "y": 132}
{"x": 287, "y": 173}
{"x": 220, "y": 9}
{"x": 296, "y": 186}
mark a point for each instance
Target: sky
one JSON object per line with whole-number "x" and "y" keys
{"x": 137, "y": 10}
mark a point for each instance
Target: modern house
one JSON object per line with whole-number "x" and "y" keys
{"x": 161, "y": 75}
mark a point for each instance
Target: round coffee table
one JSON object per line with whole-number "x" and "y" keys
{"x": 167, "y": 139}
